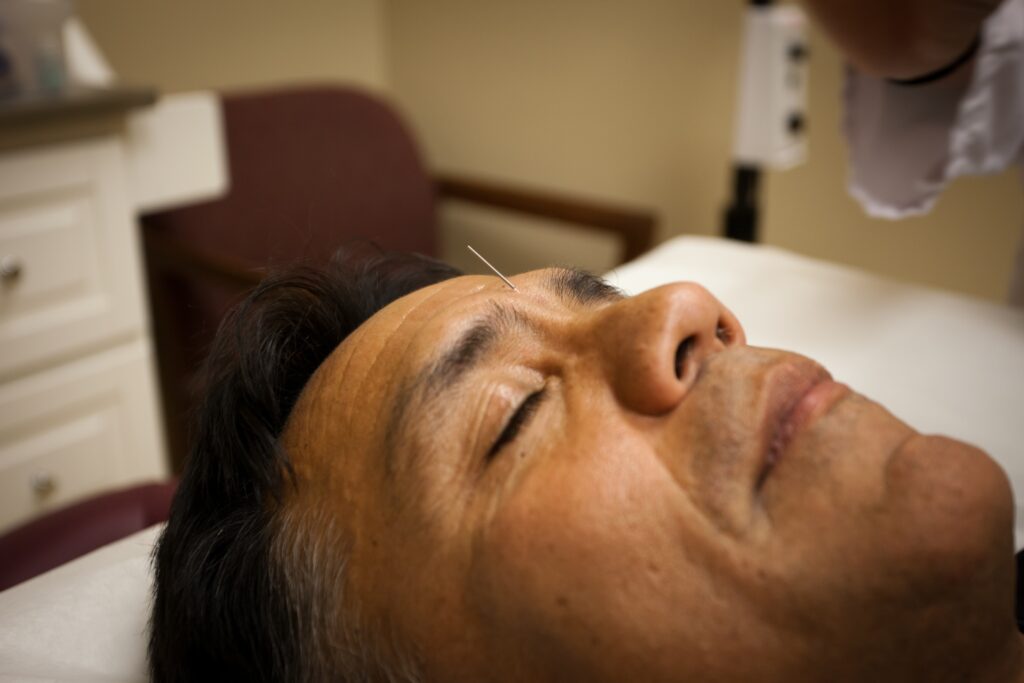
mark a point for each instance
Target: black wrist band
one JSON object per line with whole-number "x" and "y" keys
{"x": 938, "y": 74}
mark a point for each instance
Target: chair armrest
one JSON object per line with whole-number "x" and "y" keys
{"x": 634, "y": 227}
{"x": 168, "y": 255}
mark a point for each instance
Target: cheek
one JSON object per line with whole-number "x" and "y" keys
{"x": 572, "y": 553}
{"x": 599, "y": 561}
{"x": 833, "y": 475}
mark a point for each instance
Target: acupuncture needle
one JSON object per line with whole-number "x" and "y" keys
{"x": 496, "y": 271}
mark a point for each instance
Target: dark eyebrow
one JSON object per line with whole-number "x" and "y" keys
{"x": 471, "y": 346}
{"x": 572, "y": 285}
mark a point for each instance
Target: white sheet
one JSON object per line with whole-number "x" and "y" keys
{"x": 943, "y": 362}
{"x": 85, "y": 621}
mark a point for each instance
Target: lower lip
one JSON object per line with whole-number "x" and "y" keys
{"x": 811, "y": 406}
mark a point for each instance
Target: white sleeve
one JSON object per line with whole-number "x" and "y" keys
{"x": 907, "y": 142}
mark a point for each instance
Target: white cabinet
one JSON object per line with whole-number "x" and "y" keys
{"x": 66, "y": 226}
{"x": 77, "y": 428}
{"x": 78, "y": 409}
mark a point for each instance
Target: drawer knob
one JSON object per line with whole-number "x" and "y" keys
{"x": 43, "y": 484}
{"x": 10, "y": 268}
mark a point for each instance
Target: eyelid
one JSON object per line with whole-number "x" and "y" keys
{"x": 518, "y": 421}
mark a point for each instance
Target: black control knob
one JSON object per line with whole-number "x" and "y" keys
{"x": 797, "y": 52}
{"x": 796, "y": 123}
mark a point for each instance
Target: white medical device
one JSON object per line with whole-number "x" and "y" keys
{"x": 771, "y": 119}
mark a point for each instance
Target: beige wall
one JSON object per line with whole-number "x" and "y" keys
{"x": 634, "y": 101}
{"x": 228, "y": 44}
{"x": 598, "y": 97}
{"x": 619, "y": 99}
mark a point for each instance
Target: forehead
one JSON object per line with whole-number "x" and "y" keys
{"x": 354, "y": 390}
{"x": 412, "y": 328}
{"x": 408, "y": 329}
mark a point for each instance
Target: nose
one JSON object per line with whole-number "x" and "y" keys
{"x": 653, "y": 345}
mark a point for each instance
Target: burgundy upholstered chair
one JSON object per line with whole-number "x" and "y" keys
{"x": 311, "y": 169}
{"x": 61, "y": 536}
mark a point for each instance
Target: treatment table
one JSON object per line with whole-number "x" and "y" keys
{"x": 942, "y": 362}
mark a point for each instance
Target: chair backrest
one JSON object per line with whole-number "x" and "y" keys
{"x": 309, "y": 169}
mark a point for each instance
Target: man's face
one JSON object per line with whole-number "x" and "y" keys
{"x": 559, "y": 483}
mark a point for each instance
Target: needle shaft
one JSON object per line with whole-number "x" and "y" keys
{"x": 496, "y": 271}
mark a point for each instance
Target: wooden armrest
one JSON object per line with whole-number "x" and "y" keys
{"x": 635, "y": 228}
{"x": 170, "y": 255}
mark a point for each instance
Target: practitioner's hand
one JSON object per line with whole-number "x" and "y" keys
{"x": 901, "y": 38}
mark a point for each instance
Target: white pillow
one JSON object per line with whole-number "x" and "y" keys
{"x": 84, "y": 621}
{"x": 943, "y": 362}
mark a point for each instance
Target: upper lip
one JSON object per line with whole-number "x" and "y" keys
{"x": 785, "y": 388}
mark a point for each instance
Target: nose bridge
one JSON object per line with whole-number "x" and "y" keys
{"x": 651, "y": 346}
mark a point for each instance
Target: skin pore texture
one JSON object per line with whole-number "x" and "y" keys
{"x": 672, "y": 505}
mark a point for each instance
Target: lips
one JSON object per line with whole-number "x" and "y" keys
{"x": 799, "y": 393}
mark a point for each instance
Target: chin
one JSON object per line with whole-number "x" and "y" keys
{"x": 956, "y": 512}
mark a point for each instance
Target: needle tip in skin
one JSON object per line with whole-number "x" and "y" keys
{"x": 496, "y": 271}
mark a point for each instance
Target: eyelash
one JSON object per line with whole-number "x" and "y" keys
{"x": 516, "y": 423}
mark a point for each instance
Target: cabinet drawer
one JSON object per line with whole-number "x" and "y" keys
{"x": 69, "y": 266}
{"x": 75, "y": 430}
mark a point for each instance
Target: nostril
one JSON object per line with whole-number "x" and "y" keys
{"x": 723, "y": 333}
{"x": 682, "y": 351}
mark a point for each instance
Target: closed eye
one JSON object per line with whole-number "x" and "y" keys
{"x": 519, "y": 419}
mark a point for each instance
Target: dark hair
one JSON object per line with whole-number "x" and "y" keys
{"x": 233, "y": 597}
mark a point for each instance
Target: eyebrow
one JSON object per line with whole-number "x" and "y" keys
{"x": 578, "y": 286}
{"x": 572, "y": 286}
{"x": 470, "y": 348}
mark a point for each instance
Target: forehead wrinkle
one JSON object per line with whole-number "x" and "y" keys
{"x": 323, "y": 412}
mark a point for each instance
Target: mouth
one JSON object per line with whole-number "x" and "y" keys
{"x": 800, "y": 395}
